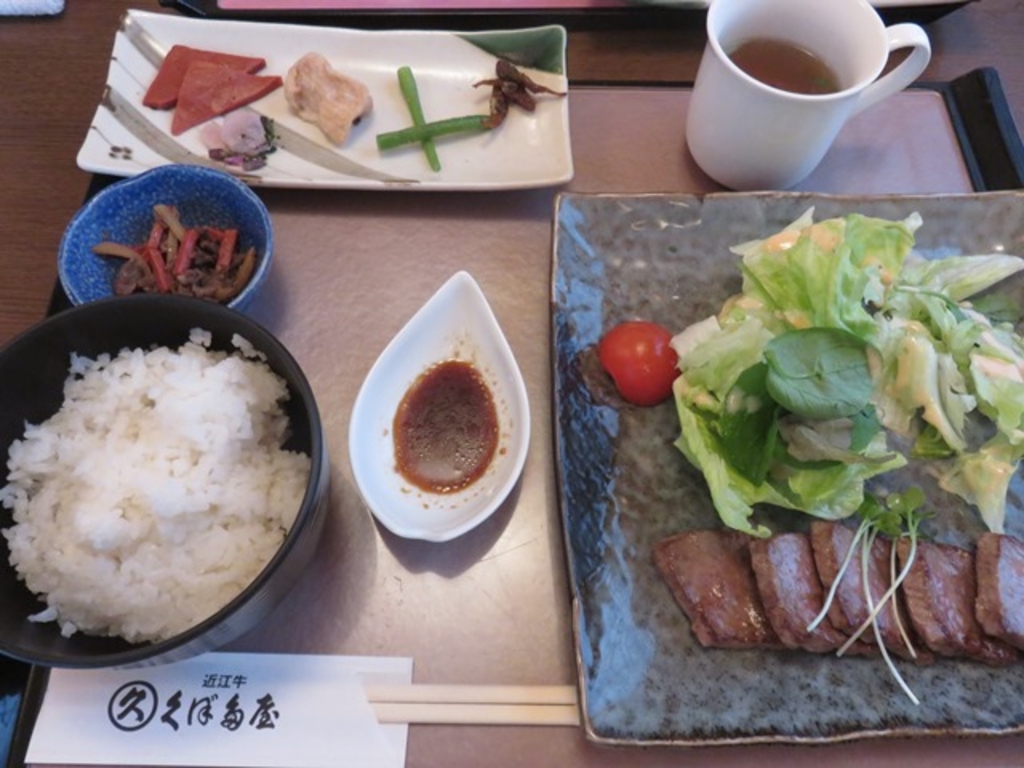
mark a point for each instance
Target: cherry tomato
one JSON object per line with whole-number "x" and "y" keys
{"x": 639, "y": 358}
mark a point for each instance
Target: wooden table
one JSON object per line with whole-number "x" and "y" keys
{"x": 404, "y": 598}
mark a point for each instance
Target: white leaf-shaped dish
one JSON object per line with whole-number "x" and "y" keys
{"x": 456, "y": 323}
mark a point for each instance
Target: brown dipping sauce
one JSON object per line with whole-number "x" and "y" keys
{"x": 446, "y": 428}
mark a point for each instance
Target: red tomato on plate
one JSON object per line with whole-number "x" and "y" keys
{"x": 639, "y": 358}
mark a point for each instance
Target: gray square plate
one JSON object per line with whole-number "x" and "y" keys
{"x": 623, "y": 486}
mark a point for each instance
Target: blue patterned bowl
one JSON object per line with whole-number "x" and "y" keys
{"x": 123, "y": 213}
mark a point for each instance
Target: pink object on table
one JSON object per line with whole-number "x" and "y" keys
{"x": 434, "y": 5}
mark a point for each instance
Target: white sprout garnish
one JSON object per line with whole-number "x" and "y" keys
{"x": 899, "y": 510}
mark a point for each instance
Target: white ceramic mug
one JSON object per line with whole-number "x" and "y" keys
{"x": 747, "y": 135}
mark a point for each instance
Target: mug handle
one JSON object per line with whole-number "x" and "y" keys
{"x": 899, "y": 36}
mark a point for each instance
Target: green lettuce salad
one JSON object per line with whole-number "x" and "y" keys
{"x": 845, "y": 356}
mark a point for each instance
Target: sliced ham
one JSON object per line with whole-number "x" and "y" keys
{"x": 791, "y": 592}
{"x": 163, "y": 91}
{"x": 709, "y": 574}
{"x": 1000, "y": 572}
{"x": 209, "y": 90}
{"x": 940, "y": 593}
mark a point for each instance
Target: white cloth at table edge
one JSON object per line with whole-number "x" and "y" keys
{"x": 31, "y": 7}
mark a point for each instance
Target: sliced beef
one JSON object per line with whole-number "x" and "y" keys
{"x": 163, "y": 91}
{"x": 792, "y": 593}
{"x": 1000, "y": 573}
{"x": 996, "y": 652}
{"x": 209, "y": 90}
{"x": 710, "y": 576}
{"x": 830, "y": 542}
{"x": 940, "y": 594}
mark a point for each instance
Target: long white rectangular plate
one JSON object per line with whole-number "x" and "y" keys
{"x": 530, "y": 149}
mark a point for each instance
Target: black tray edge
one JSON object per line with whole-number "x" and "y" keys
{"x": 989, "y": 139}
{"x": 573, "y": 18}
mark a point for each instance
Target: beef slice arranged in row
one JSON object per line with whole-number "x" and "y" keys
{"x": 941, "y": 594}
{"x": 710, "y": 574}
{"x": 792, "y": 593}
{"x": 857, "y": 596}
{"x": 1000, "y": 569}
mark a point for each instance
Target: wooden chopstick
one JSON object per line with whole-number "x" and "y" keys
{"x": 472, "y": 694}
{"x": 477, "y": 714}
{"x": 475, "y": 704}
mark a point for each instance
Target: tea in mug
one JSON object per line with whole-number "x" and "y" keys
{"x": 785, "y": 66}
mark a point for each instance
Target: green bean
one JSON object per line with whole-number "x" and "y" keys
{"x": 417, "y": 133}
{"x": 411, "y": 94}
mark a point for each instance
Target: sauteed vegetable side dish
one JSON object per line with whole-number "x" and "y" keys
{"x": 845, "y": 358}
{"x": 196, "y": 260}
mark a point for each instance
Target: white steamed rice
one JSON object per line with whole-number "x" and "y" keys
{"x": 158, "y": 491}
